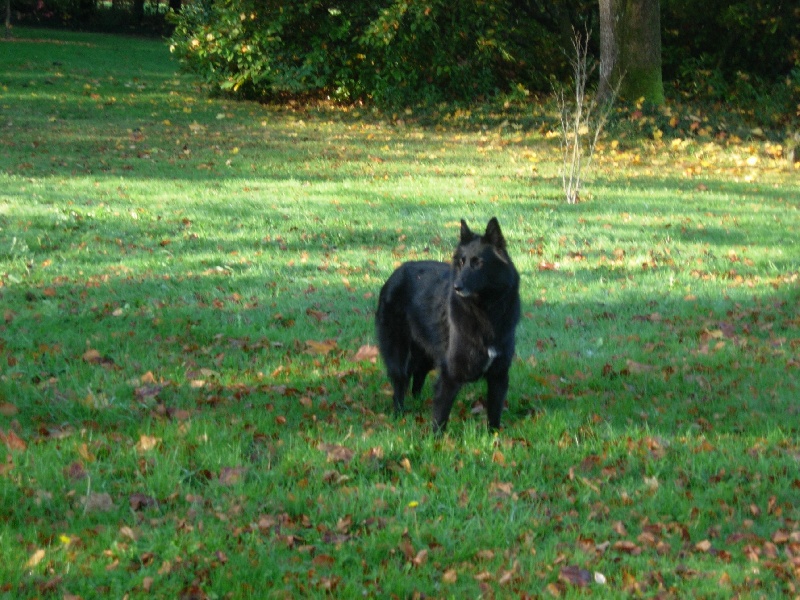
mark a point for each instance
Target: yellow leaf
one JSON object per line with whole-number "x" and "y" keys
{"x": 315, "y": 347}
{"x": 450, "y": 576}
{"x": 35, "y": 559}
{"x": 146, "y": 443}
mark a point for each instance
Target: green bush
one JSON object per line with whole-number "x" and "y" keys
{"x": 395, "y": 52}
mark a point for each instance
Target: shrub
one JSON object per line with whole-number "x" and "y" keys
{"x": 394, "y": 52}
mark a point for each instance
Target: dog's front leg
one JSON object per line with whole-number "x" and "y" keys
{"x": 496, "y": 390}
{"x": 446, "y": 390}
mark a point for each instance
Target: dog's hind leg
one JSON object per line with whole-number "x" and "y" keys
{"x": 400, "y": 386}
{"x": 420, "y": 367}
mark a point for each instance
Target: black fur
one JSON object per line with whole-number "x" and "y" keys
{"x": 459, "y": 318}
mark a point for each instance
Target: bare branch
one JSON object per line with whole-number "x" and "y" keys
{"x": 585, "y": 116}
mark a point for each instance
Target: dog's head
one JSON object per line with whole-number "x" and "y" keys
{"x": 481, "y": 263}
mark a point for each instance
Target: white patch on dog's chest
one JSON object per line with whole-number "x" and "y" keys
{"x": 491, "y": 353}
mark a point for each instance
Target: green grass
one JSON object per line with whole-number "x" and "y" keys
{"x": 169, "y": 431}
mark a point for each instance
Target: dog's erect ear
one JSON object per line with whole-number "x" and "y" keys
{"x": 493, "y": 234}
{"x": 466, "y": 234}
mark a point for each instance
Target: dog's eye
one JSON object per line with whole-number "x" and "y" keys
{"x": 462, "y": 261}
{"x": 475, "y": 262}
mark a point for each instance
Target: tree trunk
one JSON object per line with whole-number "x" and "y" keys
{"x": 630, "y": 41}
{"x": 138, "y": 10}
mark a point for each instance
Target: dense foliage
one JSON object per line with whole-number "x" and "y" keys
{"x": 393, "y": 52}
{"x": 397, "y": 52}
{"x": 741, "y": 54}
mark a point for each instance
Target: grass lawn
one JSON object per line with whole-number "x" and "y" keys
{"x": 187, "y": 402}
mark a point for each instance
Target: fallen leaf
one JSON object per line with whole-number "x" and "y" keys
{"x": 323, "y": 348}
{"x": 420, "y": 558}
{"x": 231, "y": 475}
{"x": 146, "y": 443}
{"x": 627, "y": 547}
{"x": 703, "y": 546}
{"x": 75, "y": 471}
{"x": 366, "y": 353}
{"x": 12, "y": 441}
{"x": 501, "y": 489}
{"x": 97, "y": 502}
{"x": 93, "y": 357}
{"x": 575, "y": 575}
{"x": 599, "y": 578}
{"x": 323, "y": 560}
{"x": 337, "y": 453}
{"x": 548, "y": 266}
{"x": 35, "y": 559}
{"x": 450, "y": 576}
{"x": 317, "y": 314}
{"x": 638, "y": 368}
{"x": 7, "y": 409}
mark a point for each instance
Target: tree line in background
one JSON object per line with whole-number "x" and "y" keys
{"x": 408, "y": 52}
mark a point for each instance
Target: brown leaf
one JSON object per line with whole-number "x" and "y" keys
{"x": 323, "y": 560}
{"x": 627, "y": 547}
{"x": 501, "y": 489}
{"x": 548, "y": 266}
{"x": 75, "y": 471}
{"x": 450, "y": 576}
{"x": 420, "y": 558}
{"x": 97, "y": 502}
{"x": 337, "y": 453}
{"x": 93, "y": 357}
{"x": 406, "y": 548}
{"x": 619, "y": 528}
{"x": 231, "y": 475}
{"x": 139, "y": 501}
{"x": 13, "y": 441}
{"x": 7, "y": 409}
{"x": 703, "y": 546}
{"x": 366, "y": 353}
{"x": 574, "y": 575}
{"x": 638, "y": 368}
{"x": 150, "y": 390}
{"x": 317, "y": 314}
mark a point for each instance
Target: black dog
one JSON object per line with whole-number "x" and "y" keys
{"x": 458, "y": 318}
